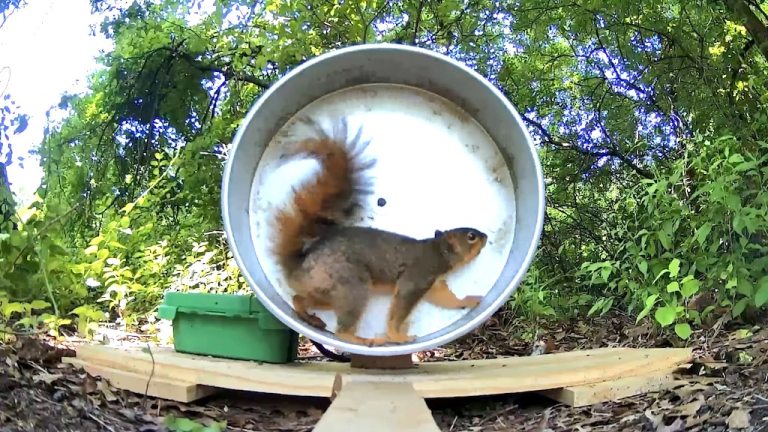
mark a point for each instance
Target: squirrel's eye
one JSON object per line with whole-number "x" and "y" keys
{"x": 471, "y": 237}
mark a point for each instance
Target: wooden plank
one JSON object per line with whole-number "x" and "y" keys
{"x": 589, "y": 394}
{"x": 375, "y": 406}
{"x": 158, "y": 387}
{"x": 430, "y": 380}
{"x": 289, "y": 379}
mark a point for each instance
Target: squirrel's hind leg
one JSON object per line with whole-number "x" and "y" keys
{"x": 350, "y": 299}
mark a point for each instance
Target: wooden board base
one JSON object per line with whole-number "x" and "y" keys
{"x": 382, "y": 399}
{"x": 376, "y": 407}
{"x": 179, "y": 391}
{"x": 177, "y": 376}
{"x": 620, "y": 388}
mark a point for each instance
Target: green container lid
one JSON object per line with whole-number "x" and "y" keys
{"x": 228, "y": 325}
{"x": 230, "y": 305}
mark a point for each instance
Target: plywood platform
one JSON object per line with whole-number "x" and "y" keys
{"x": 575, "y": 378}
{"x": 430, "y": 380}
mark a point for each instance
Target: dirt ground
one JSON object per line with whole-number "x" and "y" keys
{"x": 39, "y": 393}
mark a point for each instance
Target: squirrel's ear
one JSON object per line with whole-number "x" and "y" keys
{"x": 438, "y": 233}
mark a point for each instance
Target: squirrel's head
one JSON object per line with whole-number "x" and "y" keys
{"x": 462, "y": 244}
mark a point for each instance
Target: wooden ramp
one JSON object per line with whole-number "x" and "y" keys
{"x": 575, "y": 378}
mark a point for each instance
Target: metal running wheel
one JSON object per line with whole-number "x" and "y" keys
{"x": 451, "y": 151}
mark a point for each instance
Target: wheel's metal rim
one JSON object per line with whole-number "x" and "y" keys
{"x": 502, "y": 119}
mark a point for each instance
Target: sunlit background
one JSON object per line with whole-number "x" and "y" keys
{"x": 48, "y": 48}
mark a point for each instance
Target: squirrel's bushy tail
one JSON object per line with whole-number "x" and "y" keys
{"x": 326, "y": 199}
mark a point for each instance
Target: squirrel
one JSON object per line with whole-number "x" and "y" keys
{"x": 333, "y": 266}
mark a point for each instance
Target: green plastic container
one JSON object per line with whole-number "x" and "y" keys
{"x": 227, "y": 325}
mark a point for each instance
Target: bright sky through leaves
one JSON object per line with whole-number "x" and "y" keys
{"x": 50, "y": 49}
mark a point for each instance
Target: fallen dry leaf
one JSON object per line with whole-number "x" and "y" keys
{"x": 89, "y": 384}
{"x": 665, "y": 405}
{"x": 691, "y": 408}
{"x": 689, "y": 389}
{"x": 46, "y": 377}
{"x": 697, "y": 420}
{"x": 314, "y": 412}
{"x": 638, "y": 330}
{"x": 103, "y": 386}
{"x": 676, "y": 426}
{"x": 128, "y": 413}
{"x": 657, "y": 421}
{"x": 739, "y": 419}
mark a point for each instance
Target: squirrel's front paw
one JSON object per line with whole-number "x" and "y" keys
{"x": 471, "y": 301}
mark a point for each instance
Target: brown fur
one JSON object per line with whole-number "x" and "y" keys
{"x": 343, "y": 265}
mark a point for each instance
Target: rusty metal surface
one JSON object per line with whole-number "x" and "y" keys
{"x": 451, "y": 151}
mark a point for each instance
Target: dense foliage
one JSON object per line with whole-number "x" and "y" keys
{"x": 649, "y": 117}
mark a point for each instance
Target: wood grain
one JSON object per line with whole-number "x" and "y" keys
{"x": 377, "y": 406}
{"x": 429, "y": 380}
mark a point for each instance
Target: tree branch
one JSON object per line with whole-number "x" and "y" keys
{"x": 228, "y": 74}
{"x": 418, "y": 22}
{"x": 755, "y": 26}
{"x": 612, "y": 152}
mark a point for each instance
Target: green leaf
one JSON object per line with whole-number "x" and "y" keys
{"x": 24, "y": 322}
{"x": 90, "y": 250}
{"x": 673, "y": 287}
{"x": 651, "y": 300}
{"x": 743, "y": 287}
{"x": 661, "y": 273}
{"x": 665, "y": 240}
{"x": 607, "y": 306}
{"x": 665, "y": 315}
{"x": 82, "y": 311}
{"x": 11, "y": 308}
{"x": 216, "y": 427}
{"x": 595, "y": 307}
{"x": 683, "y": 330}
{"x": 762, "y": 292}
{"x": 116, "y": 245}
{"x": 39, "y": 304}
{"x": 649, "y": 303}
{"x": 18, "y": 238}
{"x": 674, "y": 268}
{"x": 182, "y": 424}
{"x": 739, "y": 307}
{"x": 605, "y": 272}
{"x": 703, "y": 232}
{"x": 643, "y": 266}
{"x": 689, "y": 288}
{"x": 745, "y": 166}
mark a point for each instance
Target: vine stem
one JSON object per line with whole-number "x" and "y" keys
{"x": 48, "y": 284}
